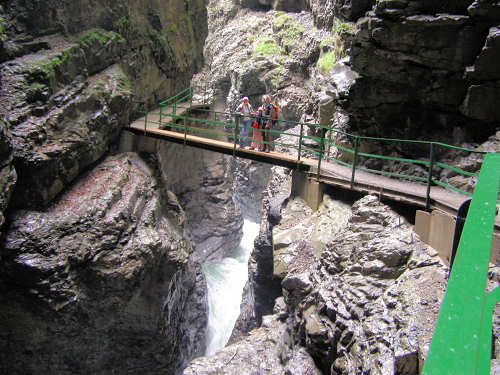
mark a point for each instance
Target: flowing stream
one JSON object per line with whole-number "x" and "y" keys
{"x": 225, "y": 281}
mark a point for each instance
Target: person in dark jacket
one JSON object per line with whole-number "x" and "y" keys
{"x": 268, "y": 113}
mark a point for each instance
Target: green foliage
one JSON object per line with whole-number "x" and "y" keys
{"x": 100, "y": 36}
{"x": 173, "y": 28}
{"x": 327, "y": 42}
{"x": 287, "y": 30}
{"x": 340, "y": 27}
{"x": 332, "y": 47}
{"x": 156, "y": 35}
{"x": 3, "y": 36}
{"x": 280, "y": 20}
{"x": 266, "y": 46}
{"x": 326, "y": 61}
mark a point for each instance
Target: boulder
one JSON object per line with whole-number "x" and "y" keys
{"x": 101, "y": 280}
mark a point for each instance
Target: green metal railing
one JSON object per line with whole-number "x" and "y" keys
{"x": 318, "y": 144}
{"x": 461, "y": 343}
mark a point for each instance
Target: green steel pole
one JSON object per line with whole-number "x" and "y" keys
{"x": 461, "y": 343}
{"x": 329, "y": 141}
{"x": 354, "y": 160}
{"x": 321, "y": 151}
{"x": 185, "y": 130}
{"x": 300, "y": 140}
{"x": 429, "y": 178}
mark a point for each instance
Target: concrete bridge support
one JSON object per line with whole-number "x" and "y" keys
{"x": 437, "y": 230}
{"x": 307, "y": 188}
{"x": 137, "y": 143}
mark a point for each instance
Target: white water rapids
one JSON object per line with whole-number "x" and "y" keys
{"x": 225, "y": 281}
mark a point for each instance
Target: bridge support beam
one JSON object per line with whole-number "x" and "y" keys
{"x": 307, "y": 188}
{"x": 137, "y": 143}
{"x": 437, "y": 229}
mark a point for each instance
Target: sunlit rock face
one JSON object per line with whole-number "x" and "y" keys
{"x": 100, "y": 281}
{"x": 370, "y": 301}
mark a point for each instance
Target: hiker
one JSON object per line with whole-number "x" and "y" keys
{"x": 269, "y": 116}
{"x": 257, "y": 133}
{"x": 246, "y": 110}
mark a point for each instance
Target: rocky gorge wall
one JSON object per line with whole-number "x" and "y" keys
{"x": 360, "y": 292}
{"x": 396, "y": 69}
{"x": 98, "y": 272}
{"x": 350, "y": 289}
{"x": 101, "y": 281}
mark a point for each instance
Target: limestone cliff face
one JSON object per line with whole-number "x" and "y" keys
{"x": 101, "y": 282}
{"x": 72, "y": 74}
{"x": 97, "y": 276}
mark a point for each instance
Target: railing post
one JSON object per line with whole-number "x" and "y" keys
{"x": 146, "y": 117}
{"x": 190, "y": 96}
{"x": 300, "y": 140}
{"x": 185, "y": 130}
{"x": 321, "y": 147}
{"x": 236, "y": 134}
{"x": 329, "y": 141}
{"x": 429, "y": 178}
{"x": 161, "y": 110}
{"x": 355, "y": 159}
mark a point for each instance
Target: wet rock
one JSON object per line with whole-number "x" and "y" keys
{"x": 267, "y": 349}
{"x": 269, "y": 52}
{"x": 51, "y": 150}
{"x": 354, "y": 309}
{"x": 250, "y": 180}
{"x": 484, "y": 66}
{"x": 214, "y": 225}
{"x": 103, "y": 273}
{"x": 8, "y": 175}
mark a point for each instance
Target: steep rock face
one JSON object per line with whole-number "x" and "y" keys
{"x": 164, "y": 40}
{"x": 260, "y": 52}
{"x": 371, "y": 301}
{"x": 69, "y": 71}
{"x": 8, "y": 175}
{"x": 60, "y": 122}
{"x": 101, "y": 281}
{"x": 203, "y": 182}
{"x": 423, "y": 67}
{"x": 250, "y": 180}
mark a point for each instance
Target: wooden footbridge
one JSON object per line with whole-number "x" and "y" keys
{"x": 180, "y": 120}
{"x": 462, "y": 338}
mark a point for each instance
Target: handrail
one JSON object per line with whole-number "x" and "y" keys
{"x": 324, "y": 145}
{"x": 461, "y": 343}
